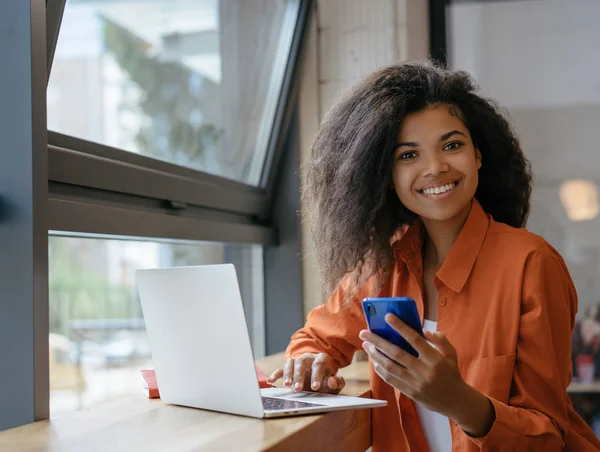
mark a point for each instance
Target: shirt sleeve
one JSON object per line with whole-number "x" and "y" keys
{"x": 333, "y": 328}
{"x": 536, "y": 417}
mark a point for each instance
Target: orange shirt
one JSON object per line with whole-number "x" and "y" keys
{"x": 507, "y": 304}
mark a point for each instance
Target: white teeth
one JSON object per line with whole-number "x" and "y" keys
{"x": 438, "y": 190}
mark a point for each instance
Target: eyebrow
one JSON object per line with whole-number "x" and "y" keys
{"x": 444, "y": 137}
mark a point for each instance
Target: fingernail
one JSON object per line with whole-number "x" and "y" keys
{"x": 333, "y": 383}
{"x": 297, "y": 386}
{"x": 288, "y": 381}
{"x": 315, "y": 384}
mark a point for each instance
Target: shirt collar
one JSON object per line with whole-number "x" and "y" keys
{"x": 459, "y": 263}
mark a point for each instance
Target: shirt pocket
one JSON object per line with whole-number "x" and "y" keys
{"x": 492, "y": 375}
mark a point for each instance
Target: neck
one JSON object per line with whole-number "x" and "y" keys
{"x": 441, "y": 236}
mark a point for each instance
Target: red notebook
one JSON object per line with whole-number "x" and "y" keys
{"x": 151, "y": 387}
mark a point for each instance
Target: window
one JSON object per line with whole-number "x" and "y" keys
{"x": 191, "y": 82}
{"x": 97, "y": 337}
{"x": 167, "y": 124}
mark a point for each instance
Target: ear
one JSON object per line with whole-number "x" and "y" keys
{"x": 478, "y": 158}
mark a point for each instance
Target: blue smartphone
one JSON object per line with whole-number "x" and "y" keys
{"x": 404, "y": 308}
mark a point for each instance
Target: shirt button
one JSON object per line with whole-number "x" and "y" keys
{"x": 443, "y": 302}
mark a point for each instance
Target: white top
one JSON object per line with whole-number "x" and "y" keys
{"x": 435, "y": 426}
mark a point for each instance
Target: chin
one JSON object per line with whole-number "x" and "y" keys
{"x": 438, "y": 217}
{"x": 442, "y": 214}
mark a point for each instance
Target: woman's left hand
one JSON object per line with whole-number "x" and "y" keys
{"x": 432, "y": 379}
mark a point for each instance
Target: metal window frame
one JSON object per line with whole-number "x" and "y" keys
{"x": 72, "y": 217}
{"x": 54, "y": 13}
{"x": 438, "y": 49}
{"x": 101, "y": 167}
{"x": 284, "y": 111}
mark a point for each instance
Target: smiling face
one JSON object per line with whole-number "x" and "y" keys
{"x": 435, "y": 164}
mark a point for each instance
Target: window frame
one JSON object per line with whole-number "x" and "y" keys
{"x": 437, "y": 30}
{"x": 54, "y": 14}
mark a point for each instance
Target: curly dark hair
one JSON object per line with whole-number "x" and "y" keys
{"x": 346, "y": 181}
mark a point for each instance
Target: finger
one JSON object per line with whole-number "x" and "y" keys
{"x": 275, "y": 376}
{"x": 334, "y": 384}
{"x": 443, "y": 345}
{"x": 301, "y": 369}
{"x": 411, "y": 336}
{"x": 388, "y": 370}
{"x": 288, "y": 372}
{"x": 394, "y": 352}
{"x": 317, "y": 376}
{"x": 320, "y": 370}
{"x": 393, "y": 381}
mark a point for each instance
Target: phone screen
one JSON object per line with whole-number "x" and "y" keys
{"x": 404, "y": 308}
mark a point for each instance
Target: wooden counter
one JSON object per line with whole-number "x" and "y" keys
{"x": 135, "y": 423}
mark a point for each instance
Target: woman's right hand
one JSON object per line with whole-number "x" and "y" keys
{"x": 309, "y": 372}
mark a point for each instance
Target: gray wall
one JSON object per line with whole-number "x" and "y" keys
{"x": 283, "y": 270}
{"x": 23, "y": 230}
{"x": 540, "y": 60}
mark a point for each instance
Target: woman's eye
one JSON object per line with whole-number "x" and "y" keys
{"x": 407, "y": 155}
{"x": 452, "y": 146}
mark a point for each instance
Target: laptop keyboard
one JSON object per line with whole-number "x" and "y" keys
{"x": 272, "y": 404}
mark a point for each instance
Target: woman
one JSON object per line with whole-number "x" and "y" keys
{"x": 417, "y": 187}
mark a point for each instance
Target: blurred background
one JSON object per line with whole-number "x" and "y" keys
{"x": 215, "y": 103}
{"x": 538, "y": 59}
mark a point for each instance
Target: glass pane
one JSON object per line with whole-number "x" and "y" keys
{"x": 191, "y": 82}
{"x": 97, "y": 338}
{"x": 540, "y": 60}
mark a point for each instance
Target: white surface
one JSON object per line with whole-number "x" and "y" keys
{"x": 435, "y": 426}
{"x": 200, "y": 345}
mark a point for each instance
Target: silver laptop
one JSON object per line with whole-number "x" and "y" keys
{"x": 201, "y": 348}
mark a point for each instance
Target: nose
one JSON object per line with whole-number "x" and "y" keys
{"x": 435, "y": 164}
